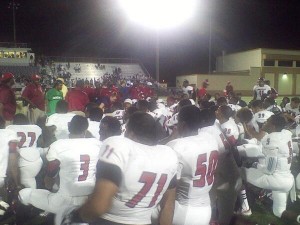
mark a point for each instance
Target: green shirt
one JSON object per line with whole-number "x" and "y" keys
{"x": 53, "y": 96}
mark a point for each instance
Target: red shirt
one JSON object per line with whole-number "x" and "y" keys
{"x": 8, "y": 99}
{"x": 201, "y": 92}
{"x": 90, "y": 92}
{"x": 77, "y": 100}
{"x": 35, "y": 94}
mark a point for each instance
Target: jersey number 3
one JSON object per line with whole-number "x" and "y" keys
{"x": 148, "y": 179}
{"x": 84, "y": 166}
{"x": 202, "y": 171}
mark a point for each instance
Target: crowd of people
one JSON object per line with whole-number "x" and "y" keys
{"x": 117, "y": 154}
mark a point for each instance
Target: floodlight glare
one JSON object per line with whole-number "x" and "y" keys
{"x": 159, "y": 14}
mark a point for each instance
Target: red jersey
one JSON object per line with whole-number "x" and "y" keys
{"x": 90, "y": 92}
{"x": 8, "y": 99}
{"x": 35, "y": 94}
{"x": 201, "y": 92}
{"x": 77, "y": 100}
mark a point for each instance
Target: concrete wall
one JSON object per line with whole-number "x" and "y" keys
{"x": 285, "y": 84}
{"x": 239, "y": 61}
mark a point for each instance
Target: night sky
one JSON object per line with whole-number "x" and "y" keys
{"x": 98, "y": 28}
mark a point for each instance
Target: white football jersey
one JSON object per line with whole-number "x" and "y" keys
{"x": 27, "y": 134}
{"x": 231, "y": 131}
{"x": 262, "y": 116}
{"x": 61, "y": 122}
{"x": 294, "y": 112}
{"x": 261, "y": 91}
{"x": 6, "y": 136}
{"x": 215, "y": 131}
{"x": 78, "y": 159}
{"x": 198, "y": 159}
{"x": 279, "y": 146}
{"x": 94, "y": 129}
{"x": 146, "y": 174}
{"x": 234, "y": 107}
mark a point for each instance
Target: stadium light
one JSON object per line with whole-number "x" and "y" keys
{"x": 159, "y": 15}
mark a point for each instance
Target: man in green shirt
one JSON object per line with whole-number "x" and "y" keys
{"x": 53, "y": 96}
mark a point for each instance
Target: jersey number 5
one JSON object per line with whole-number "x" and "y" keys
{"x": 148, "y": 179}
{"x": 84, "y": 166}
{"x": 202, "y": 171}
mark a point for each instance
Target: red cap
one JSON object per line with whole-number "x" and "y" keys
{"x": 7, "y": 76}
{"x": 35, "y": 77}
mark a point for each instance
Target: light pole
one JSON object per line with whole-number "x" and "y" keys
{"x": 157, "y": 56}
{"x": 14, "y": 6}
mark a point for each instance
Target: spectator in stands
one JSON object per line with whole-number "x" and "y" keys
{"x": 106, "y": 102}
{"x": 64, "y": 88}
{"x": 8, "y": 103}
{"x": 34, "y": 96}
{"x": 53, "y": 96}
{"x": 124, "y": 91}
{"x": 203, "y": 90}
{"x": 77, "y": 99}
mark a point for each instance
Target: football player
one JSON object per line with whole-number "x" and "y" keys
{"x": 30, "y": 161}
{"x": 74, "y": 160}
{"x": 134, "y": 175}
{"x": 274, "y": 173}
{"x": 198, "y": 159}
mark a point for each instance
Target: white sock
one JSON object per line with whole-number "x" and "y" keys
{"x": 244, "y": 200}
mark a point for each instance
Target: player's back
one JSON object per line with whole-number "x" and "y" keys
{"x": 146, "y": 174}
{"x": 198, "y": 159}
{"x": 61, "y": 122}
{"x": 78, "y": 159}
{"x": 27, "y": 134}
{"x": 279, "y": 144}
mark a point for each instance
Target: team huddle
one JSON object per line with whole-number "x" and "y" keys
{"x": 153, "y": 161}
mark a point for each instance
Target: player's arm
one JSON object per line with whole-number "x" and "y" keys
{"x": 254, "y": 95}
{"x": 168, "y": 204}
{"x": 13, "y": 167}
{"x": 109, "y": 177}
{"x": 51, "y": 173}
{"x": 252, "y": 133}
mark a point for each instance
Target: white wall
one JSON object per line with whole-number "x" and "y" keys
{"x": 239, "y": 61}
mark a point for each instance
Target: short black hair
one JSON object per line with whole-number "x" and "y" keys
{"x": 20, "y": 119}
{"x": 62, "y": 106}
{"x": 221, "y": 101}
{"x": 207, "y": 117}
{"x": 295, "y": 99}
{"x": 184, "y": 102}
{"x": 245, "y": 115}
{"x": 58, "y": 82}
{"x": 144, "y": 128}
{"x": 129, "y": 112}
{"x": 96, "y": 114}
{"x": 278, "y": 121}
{"x": 257, "y": 104}
{"x": 268, "y": 102}
{"x": 190, "y": 115}
{"x": 2, "y": 123}
{"x": 78, "y": 125}
{"x": 142, "y": 105}
{"x": 114, "y": 125}
{"x": 226, "y": 111}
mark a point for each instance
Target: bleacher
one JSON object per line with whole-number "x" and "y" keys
{"x": 20, "y": 71}
{"x": 91, "y": 70}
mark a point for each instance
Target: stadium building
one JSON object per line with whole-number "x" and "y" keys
{"x": 280, "y": 67}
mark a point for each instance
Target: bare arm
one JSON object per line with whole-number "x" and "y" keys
{"x": 13, "y": 168}
{"x": 1, "y": 109}
{"x": 100, "y": 201}
{"x": 167, "y": 207}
